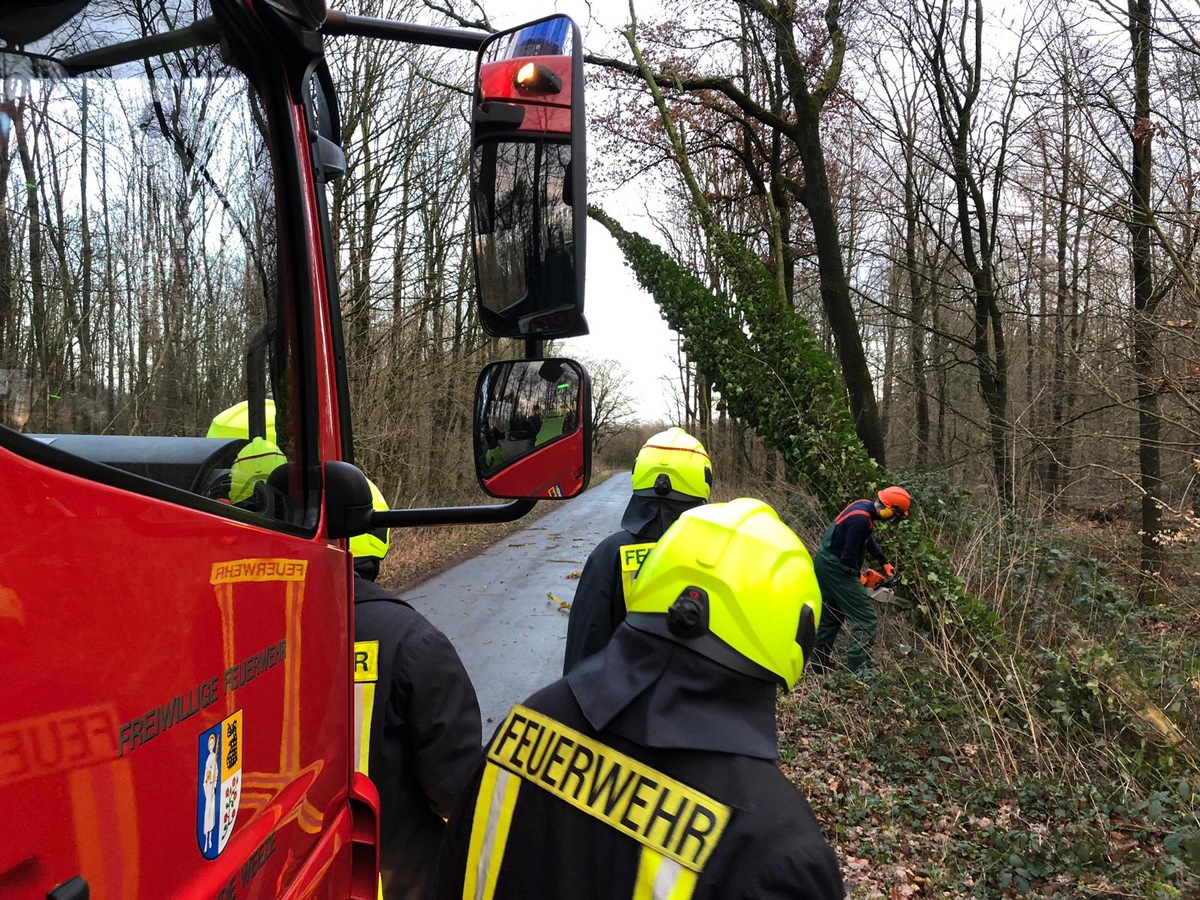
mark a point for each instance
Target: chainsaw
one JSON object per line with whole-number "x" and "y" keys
{"x": 873, "y": 579}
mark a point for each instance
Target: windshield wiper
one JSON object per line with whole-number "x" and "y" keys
{"x": 200, "y": 33}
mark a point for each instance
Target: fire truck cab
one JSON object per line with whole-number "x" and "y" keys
{"x": 175, "y": 600}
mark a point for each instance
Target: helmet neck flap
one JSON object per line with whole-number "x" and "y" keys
{"x": 658, "y": 693}
{"x": 648, "y": 517}
{"x": 367, "y": 567}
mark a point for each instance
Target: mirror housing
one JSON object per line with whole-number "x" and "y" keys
{"x": 347, "y": 500}
{"x": 533, "y": 429}
{"x": 331, "y": 161}
{"x": 529, "y": 181}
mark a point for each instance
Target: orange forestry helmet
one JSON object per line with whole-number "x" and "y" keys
{"x": 896, "y": 501}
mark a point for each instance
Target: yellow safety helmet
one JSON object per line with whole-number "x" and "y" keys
{"x": 673, "y": 464}
{"x": 374, "y": 543}
{"x": 731, "y": 582}
{"x": 254, "y": 463}
{"x": 258, "y": 459}
{"x": 235, "y": 422}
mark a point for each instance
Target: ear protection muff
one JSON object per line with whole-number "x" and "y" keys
{"x": 887, "y": 512}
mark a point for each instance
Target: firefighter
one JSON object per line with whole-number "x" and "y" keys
{"x": 417, "y": 722}
{"x": 838, "y": 565}
{"x": 254, "y": 462}
{"x": 649, "y": 770}
{"x": 672, "y": 473}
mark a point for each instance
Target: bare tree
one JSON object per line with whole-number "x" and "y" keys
{"x": 614, "y": 406}
{"x": 952, "y": 47}
{"x": 1146, "y": 297}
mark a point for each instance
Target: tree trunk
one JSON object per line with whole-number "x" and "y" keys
{"x": 85, "y": 262}
{"x": 835, "y": 291}
{"x": 916, "y": 292}
{"x": 818, "y": 201}
{"x": 44, "y": 351}
{"x": 1144, "y": 302}
{"x": 976, "y": 218}
{"x": 1058, "y": 394}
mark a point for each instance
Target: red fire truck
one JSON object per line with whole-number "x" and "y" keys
{"x": 175, "y": 682}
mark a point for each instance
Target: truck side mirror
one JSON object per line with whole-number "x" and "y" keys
{"x": 529, "y": 181}
{"x": 533, "y": 429}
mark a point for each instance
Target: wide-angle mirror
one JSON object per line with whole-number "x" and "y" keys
{"x": 533, "y": 430}
{"x": 528, "y": 181}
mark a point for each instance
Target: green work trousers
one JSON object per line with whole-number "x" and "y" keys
{"x": 843, "y": 598}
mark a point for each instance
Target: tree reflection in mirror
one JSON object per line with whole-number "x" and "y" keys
{"x": 525, "y": 246}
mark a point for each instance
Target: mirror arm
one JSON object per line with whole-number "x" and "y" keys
{"x": 338, "y": 23}
{"x": 331, "y": 161}
{"x": 533, "y": 348}
{"x": 201, "y": 33}
{"x": 452, "y": 515}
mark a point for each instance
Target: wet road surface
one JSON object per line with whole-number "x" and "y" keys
{"x": 495, "y": 608}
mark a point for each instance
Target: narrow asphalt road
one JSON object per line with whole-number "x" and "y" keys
{"x": 495, "y": 607}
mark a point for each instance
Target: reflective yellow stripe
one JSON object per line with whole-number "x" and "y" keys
{"x": 483, "y": 805}
{"x": 509, "y": 784}
{"x": 643, "y": 885}
{"x": 364, "y": 708}
{"x": 489, "y": 832}
{"x": 631, "y": 557}
{"x": 659, "y": 878}
{"x": 668, "y": 816}
{"x": 366, "y": 674}
{"x": 685, "y": 884}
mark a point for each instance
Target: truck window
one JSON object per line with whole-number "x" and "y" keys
{"x": 140, "y": 287}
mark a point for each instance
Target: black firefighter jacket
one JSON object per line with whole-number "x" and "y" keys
{"x": 599, "y": 603}
{"x": 417, "y": 709}
{"x": 562, "y": 810}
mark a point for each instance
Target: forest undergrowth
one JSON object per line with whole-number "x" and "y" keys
{"x": 1071, "y": 772}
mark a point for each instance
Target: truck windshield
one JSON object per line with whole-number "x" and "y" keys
{"x": 138, "y": 250}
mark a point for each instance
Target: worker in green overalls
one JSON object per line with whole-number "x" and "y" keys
{"x": 838, "y": 564}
